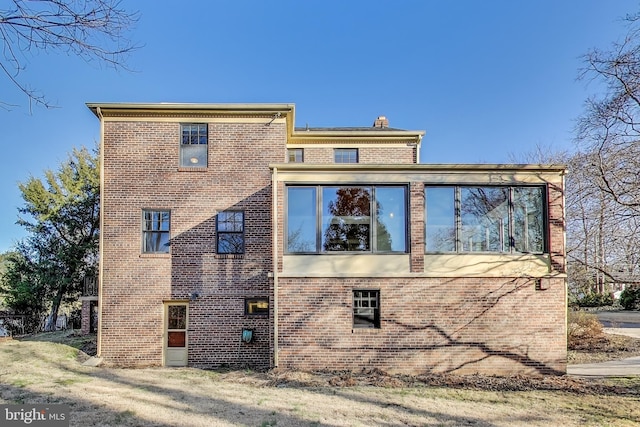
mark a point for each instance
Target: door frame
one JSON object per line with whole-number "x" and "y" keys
{"x": 166, "y": 350}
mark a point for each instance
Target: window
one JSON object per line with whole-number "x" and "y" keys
{"x": 295, "y": 155}
{"x": 155, "y": 231}
{"x": 230, "y": 232}
{"x": 366, "y": 309}
{"x": 346, "y": 219}
{"x": 177, "y": 325}
{"x": 193, "y": 145}
{"x": 256, "y": 306}
{"x": 345, "y": 155}
{"x": 484, "y": 219}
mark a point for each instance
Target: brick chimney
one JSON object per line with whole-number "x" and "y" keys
{"x": 381, "y": 122}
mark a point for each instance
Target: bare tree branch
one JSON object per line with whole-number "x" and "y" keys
{"x": 90, "y": 29}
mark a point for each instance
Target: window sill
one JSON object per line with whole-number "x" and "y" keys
{"x": 192, "y": 169}
{"x": 154, "y": 255}
{"x": 228, "y": 256}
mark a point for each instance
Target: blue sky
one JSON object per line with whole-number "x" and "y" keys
{"x": 485, "y": 79}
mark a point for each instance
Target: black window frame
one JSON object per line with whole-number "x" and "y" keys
{"x": 373, "y": 224}
{"x": 220, "y": 234}
{"x": 511, "y": 242}
{"x": 368, "y": 321}
{"x": 159, "y": 232}
{"x": 263, "y": 312}
{"x": 344, "y": 155}
{"x": 194, "y": 134}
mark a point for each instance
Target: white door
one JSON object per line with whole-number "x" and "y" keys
{"x": 175, "y": 341}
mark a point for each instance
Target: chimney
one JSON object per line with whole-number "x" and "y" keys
{"x": 381, "y": 122}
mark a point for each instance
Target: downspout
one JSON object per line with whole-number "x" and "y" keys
{"x": 418, "y": 147}
{"x": 274, "y": 227}
{"x": 100, "y": 237}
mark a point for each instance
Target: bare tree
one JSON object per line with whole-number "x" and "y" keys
{"x": 91, "y": 29}
{"x": 610, "y": 126}
{"x": 607, "y": 184}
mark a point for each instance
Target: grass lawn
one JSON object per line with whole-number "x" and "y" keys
{"x": 44, "y": 369}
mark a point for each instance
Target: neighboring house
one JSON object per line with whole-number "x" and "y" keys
{"x": 231, "y": 238}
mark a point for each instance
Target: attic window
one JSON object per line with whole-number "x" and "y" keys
{"x": 295, "y": 155}
{"x": 193, "y": 145}
{"x": 345, "y": 155}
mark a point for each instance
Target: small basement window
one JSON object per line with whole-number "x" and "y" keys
{"x": 256, "y": 306}
{"x": 366, "y": 309}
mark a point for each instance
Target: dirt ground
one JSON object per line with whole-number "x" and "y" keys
{"x": 48, "y": 372}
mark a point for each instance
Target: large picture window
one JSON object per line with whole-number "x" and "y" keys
{"x": 484, "y": 219}
{"x": 326, "y": 219}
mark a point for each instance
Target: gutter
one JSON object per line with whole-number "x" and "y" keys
{"x": 274, "y": 227}
{"x": 100, "y": 238}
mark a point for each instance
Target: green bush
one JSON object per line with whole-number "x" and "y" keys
{"x": 630, "y": 298}
{"x": 595, "y": 300}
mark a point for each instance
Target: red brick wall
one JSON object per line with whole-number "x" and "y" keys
{"x": 491, "y": 326}
{"x": 85, "y": 322}
{"x": 372, "y": 155}
{"x": 141, "y": 172}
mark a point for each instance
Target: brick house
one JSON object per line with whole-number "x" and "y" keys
{"x": 231, "y": 238}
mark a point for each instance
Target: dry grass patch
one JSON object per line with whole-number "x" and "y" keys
{"x": 48, "y": 372}
{"x": 588, "y": 343}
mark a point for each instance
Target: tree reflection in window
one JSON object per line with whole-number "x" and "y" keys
{"x": 485, "y": 219}
{"x": 528, "y": 219}
{"x": 346, "y": 219}
{"x": 230, "y": 232}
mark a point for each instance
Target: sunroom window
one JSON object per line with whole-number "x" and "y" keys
{"x": 484, "y": 219}
{"x": 328, "y": 219}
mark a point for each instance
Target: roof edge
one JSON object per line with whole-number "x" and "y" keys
{"x": 166, "y": 106}
{"x": 493, "y": 167}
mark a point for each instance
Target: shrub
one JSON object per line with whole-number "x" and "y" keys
{"x": 593, "y": 299}
{"x": 584, "y": 330}
{"x": 630, "y": 298}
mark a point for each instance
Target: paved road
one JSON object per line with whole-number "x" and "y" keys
{"x": 619, "y": 323}
{"x": 620, "y": 319}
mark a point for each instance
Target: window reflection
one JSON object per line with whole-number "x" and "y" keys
{"x": 346, "y": 219}
{"x": 485, "y": 219}
{"x": 391, "y": 219}
{"x": 440, "y": 228}
{"x": 301, "y": 219}
{"x": 528, "y": 224}
{"x": 484, "y": 215}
